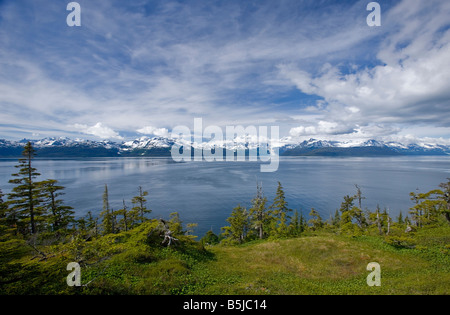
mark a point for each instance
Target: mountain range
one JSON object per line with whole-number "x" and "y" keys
{"x": 160, "y": 146}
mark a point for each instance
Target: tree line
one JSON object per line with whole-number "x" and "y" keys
{"x": 35, "y": 208}
{"x": 263, "y": 220}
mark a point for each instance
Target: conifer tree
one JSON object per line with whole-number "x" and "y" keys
{"x": 25, "y": 196}
{"x": 359, "y": 196}
{"x": 280, "y": 212}
{"x": 92, "y": 224}
{"x": 294, "y": 224}
{"x": 400, "y": 218}
{"x": 316, "y": 221}
{"x": 175, "y": 223}
{"x": 210, "y": 238}
{"x": 239, "y": 225}
{"x": 106, "y": 215}
{"x": 6, "y": 223}
{"x": 140, "y": 202}
{"x": 336, "y": 219}
{"x": 124, "y": 223}
{"x": 346, "y": 223}
{"x": 59, "y": 215}
{"x": 258, "y": 213}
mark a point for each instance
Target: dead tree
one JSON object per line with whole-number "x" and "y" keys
{"x": 167, "y": 233}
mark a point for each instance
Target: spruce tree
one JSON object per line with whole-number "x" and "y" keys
{"x": 346, "y": 224}
{"x": 400, "y": 219}
{"x": 336, "y": 220}
{"x": 92, "y": 224}
{"x": 316, "y": 221}
{"x": 258, "y": 213}
{"x": 59, "y": 215}
{"x": 280, "y": 212}
{"x": 6, "y": 223}
{"x": 209, "y": 238}
{"x": 175, "y": 223}
{"x": 25, "y": 196}
{"x": 106, "y": 215}
{"x": 124, "y": 223}
{"x": 239, "y": 225}
{"x": 140, "y": 202}
{"x": 294, "y": 224}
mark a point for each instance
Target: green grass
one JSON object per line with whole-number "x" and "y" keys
{"x": 134, "y": 262}
{"x": 327, "y": 264}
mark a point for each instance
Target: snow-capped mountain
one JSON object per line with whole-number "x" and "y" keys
{"x": 369, "y": 147}
{"x": 147, "y": 143}
{"x": 160, "y": 146}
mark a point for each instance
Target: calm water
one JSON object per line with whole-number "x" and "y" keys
{"x": 206, "y": 193}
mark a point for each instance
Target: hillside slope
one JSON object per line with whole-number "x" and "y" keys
{"x": 135, "y": 262}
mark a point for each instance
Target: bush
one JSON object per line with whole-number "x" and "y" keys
{"x": 400, "y": 241}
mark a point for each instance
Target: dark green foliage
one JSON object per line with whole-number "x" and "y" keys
{"x": 316, "y": 221}
{"x": 140, "y": 205}
{"x": 259, "y": 218}
{"x": 239, "y": 225}
{"x": 59, "y": 216}
{"x": 25, "y": 196}
{"x": 280, "y": 213}
{"x": 210, "y": 238}
{"x": 107, "y": 215}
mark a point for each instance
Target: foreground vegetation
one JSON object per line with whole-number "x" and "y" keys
{"x": 135, "y": 262}
{"x": 267, "y": 249}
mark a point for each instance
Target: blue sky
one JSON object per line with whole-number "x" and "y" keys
{"x": 313, "y": 67}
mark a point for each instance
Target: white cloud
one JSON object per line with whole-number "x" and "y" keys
{"x": 226, "y": 64}
{"x": 408, "y": 87}
{"x": 150, "y": 130}
{"x": 98, "y": 130}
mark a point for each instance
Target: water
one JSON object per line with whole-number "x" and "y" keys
{"x": 206, "y": 192}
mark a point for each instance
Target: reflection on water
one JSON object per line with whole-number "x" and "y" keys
{"x": 206, "y": 192}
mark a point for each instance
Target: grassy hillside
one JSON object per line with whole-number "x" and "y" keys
{"x": 327, "y": 264}
{"x": 135, "y": 262}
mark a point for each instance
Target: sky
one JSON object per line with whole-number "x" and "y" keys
{"x": 315, "y": 68}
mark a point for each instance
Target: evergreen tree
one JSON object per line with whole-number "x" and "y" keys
{"x": 346, "y": 224}
{"x": 280, "y": 212}
{"x": 210, "y": 238}
{"x": 429, "y": 206}
{"x": 25, "y": 196}
{"x": 303, "y": 223}
{"x": 7, "y": 228}
{"x": 59, "y": 215}
{"x": 239, "y": 225}
{"x": 124, "y": 223}
{"x": 400, "y": 218}
{"x": 140, "y": 202}
{"x": 359, "y": 196}
{"x": 175, "y": 223}
{"x": 92, "y": 224}
{"x": 357, "y": 212}
{"x": 190, "y": 227}
{"x": 258, "y": 213}
{"x": 316, "y": 221}
{"x": 106, "y": 215}
{"x": 336, "y": 220}
{"x": 294, "y": 224}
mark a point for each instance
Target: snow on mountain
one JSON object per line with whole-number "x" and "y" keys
{"x": 147, "y": 143}
{"x": 377, "y": 145}
{"x": 160, "y": 145}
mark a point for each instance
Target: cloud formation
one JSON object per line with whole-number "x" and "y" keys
{"x": 312, "y": 67}
{"x": 98, "y": 130}
{"x": 408, "y": 87}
